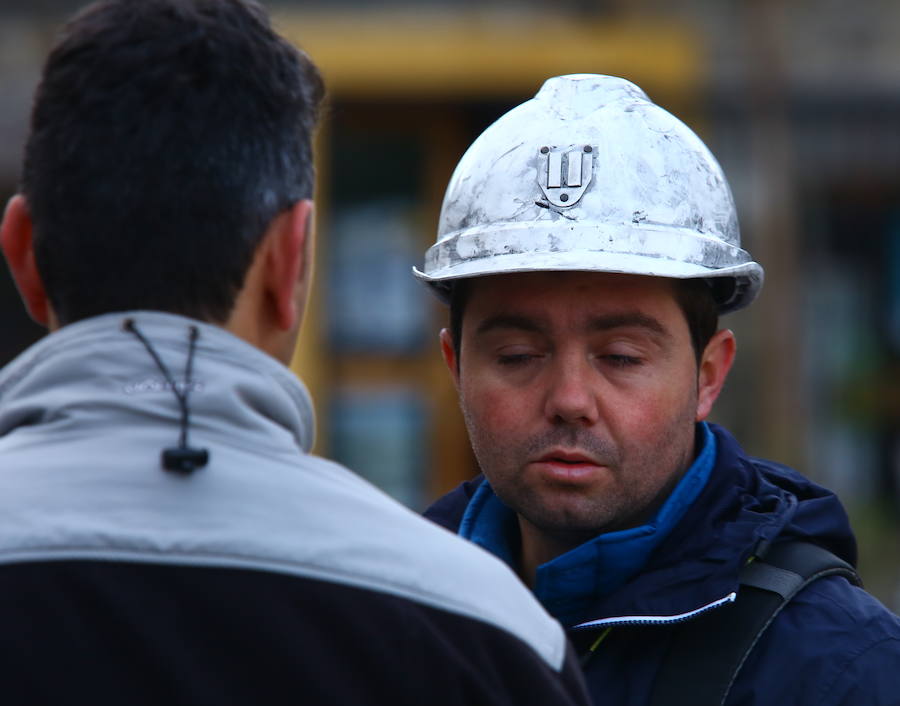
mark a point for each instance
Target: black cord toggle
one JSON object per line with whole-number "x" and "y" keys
{"x": 183, "y": 458}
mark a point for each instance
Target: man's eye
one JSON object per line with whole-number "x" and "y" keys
{"x": 622, "y": 361}
{"x": 514, "y": 359}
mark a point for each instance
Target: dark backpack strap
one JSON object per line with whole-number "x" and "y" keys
{"x": 707, "y": 652}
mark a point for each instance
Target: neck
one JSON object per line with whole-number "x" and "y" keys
{"x": 539, "y": 546}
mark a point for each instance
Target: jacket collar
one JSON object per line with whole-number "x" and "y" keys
{"x": 79, "y": 373}
{"x": 746, "y": 504}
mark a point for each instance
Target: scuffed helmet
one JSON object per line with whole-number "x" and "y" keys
{"x": 590, "y": 175}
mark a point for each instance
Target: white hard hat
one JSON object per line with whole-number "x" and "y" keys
{"x": 590, "y": 175}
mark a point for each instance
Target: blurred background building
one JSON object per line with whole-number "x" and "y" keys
{"x": 799, "y": 100}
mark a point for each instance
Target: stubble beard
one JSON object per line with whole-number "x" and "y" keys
{"x": 629, "y": 496}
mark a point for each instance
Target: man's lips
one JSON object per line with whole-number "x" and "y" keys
{"x": 570, "y": 458}
{"x": 567, "y": 466}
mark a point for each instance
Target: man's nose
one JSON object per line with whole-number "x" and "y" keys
{"x": 570, "y": 395}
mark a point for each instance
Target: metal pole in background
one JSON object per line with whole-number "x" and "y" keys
{"x": 781, "y": 416}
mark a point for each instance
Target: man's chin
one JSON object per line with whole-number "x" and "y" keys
{"x": 568, "y": 523}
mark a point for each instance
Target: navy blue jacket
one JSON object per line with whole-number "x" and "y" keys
{"x": 833, "y": 644}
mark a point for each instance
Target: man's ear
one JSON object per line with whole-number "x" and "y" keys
{"x": 16, "y": 241}
{"x": 449, "y": 353}
{"x": 714, "y": 366}
{"x": 289, "y": 264}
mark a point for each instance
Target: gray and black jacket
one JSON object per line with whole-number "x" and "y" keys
{"x": 268, "y": 576}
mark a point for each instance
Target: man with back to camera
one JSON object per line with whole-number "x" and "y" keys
{"x": 587, "y": 244}
{"x": 165, "y": 537}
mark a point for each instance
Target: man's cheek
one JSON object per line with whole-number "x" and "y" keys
{"x": 496, "y": 411}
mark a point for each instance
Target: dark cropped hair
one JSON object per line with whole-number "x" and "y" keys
{"x": 165, "y": 137}
{"x": 695, "y": 298}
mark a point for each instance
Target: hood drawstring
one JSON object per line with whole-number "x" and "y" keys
{"x": 181, "y": 459}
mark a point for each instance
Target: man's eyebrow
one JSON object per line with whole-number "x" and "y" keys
{"x": 508, "y": 321}
{"x": 627, "y": 320}
{"x": 606, "y": 322}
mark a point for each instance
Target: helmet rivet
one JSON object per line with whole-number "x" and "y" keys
{"x": 563, "y": 197}
{"x": 588, "y": 148}
{"x": 545, "y": 150}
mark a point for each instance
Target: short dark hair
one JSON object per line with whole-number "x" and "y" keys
{"x": 165, "y": 137}
{"x": 698, "y": 303}
{"x": 695, "y": 297}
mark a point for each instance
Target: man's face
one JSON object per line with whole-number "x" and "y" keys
{"x": 580, "y": 394}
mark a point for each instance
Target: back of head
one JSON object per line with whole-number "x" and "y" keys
{"x": 165, "y": 137}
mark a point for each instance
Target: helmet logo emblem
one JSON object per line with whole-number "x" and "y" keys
{"x": 564, "y": 173}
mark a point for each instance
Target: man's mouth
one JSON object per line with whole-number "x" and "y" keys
{"x": 565, "y": 466}
{"x": 568, "y": 458}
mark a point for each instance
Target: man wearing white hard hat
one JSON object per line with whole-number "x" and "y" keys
{"x": 587, "y": 245}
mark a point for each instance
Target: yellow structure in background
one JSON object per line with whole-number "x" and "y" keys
{"x": 416, "y": 74}
{"x": 434, "y": 54}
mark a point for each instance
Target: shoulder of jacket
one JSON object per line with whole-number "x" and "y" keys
{"x": 414, "y": 558}
{"x": 299, "y": 515}
{"x": 836, "y": 632}
{"x": 864, "y": 673}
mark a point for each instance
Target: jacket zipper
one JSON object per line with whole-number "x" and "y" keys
{"x": 610, "y": 623}
{"x": 655, "y": 619}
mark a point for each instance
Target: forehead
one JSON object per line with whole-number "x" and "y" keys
{"x": 569, "y": 298}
